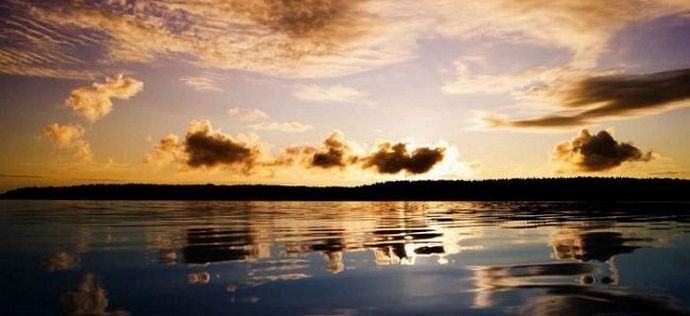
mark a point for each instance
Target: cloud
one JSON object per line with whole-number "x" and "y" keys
{"x": 337, "y": 152}
{"x": 94, "y": 102}
{"x": 315, "y": 38}
{"x": 469, "y": 82}
{"x": 393, "y": 158}
{"x": 200, "y": 83}
{"x": 336, "y": 93}
{"x": 208, "y": 148}
{"x": 285, "y": 38}
{"x": 70, "y": 137}
{"x": 609, "y": 97}
{"x": 334, "y": 153}
{"x": 582, "y": 27}
{"x": 32, "y": 47}
{"x": 600, "y": 152}
{"x": 248, "y": 115}
{"x": 259, "y": 120}
{"x": 204, "y": 147}
{"x": 168, "y": 150}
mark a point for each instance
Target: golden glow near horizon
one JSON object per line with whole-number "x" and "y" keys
{"x": 341, "y": 92}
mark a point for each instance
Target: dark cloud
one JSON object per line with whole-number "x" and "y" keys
{"x": 334, "y": 153}
{"x": 300, "y": 19}
{"x": 395, "y": 158}
{"x": 629, "y": 93}
{"x": 204, "y": 147}
{"x": 549, "y": 121}
{"x": 612, "y": 97}
{"x": 598, "y": 152}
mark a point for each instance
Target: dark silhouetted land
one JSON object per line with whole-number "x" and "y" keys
{"x": 553, "y": 189}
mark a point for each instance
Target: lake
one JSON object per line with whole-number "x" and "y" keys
{"x": 343, "y": 258}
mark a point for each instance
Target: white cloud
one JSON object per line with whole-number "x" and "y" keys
{"x": 259, "y": 120}
{"x": 336, "y": 93}
{"x": 94, "y": 102}
{"x": 201, "y": 83}
{"x": 70, "y": 137}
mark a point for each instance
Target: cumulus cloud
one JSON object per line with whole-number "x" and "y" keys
{"x": 336, "y": 93}
{"x": 259, "y": 120}
{"x": 70, "y": 137}
{"x": 168, "y": 150}
{"x": 94, "y": 102}
{"x": 607, "y": 97}
{"x": 393, "y": 158}
{"x": 335, "y": 152}
{"x": 208, "y": 148}
{"x": 600, "y": 152}
{"x": 204, "y": 147}
{"x": 389, "y": 158}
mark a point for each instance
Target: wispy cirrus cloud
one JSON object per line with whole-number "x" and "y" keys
{"x": 259, "y": 120}
{"x": 582, "y": 27}
{"x": 305, "y": 39}
{"x": 318, "y": 38}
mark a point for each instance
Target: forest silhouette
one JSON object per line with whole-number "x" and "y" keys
{"x": 545, "y": 189}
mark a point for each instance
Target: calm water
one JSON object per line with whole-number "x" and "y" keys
{"x": 343, "y": 258}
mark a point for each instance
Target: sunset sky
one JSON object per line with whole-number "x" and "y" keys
{"x": 341, "y": 92}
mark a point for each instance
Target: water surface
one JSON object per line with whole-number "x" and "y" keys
{"x": 343, "y": 258}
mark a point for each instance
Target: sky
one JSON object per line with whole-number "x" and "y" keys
{"x": 341, "y": 92}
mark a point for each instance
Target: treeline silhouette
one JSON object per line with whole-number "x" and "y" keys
{"x": 547, "y": 189}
